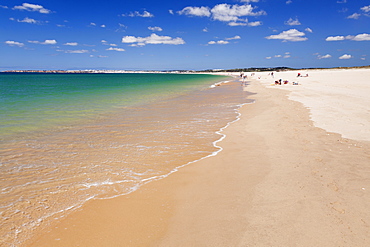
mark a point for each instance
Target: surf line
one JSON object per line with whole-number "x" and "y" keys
{"x": 176, "y": 169}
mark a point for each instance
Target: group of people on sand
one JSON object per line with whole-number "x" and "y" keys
{"x": 280, "y": 81}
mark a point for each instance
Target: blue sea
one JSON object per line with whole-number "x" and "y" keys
{"x": 69, "y": 138}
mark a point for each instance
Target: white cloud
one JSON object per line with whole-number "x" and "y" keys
{"x": 289, "y": 35}
{"x": 277, "y": 56}
{"x": 342, "y": 1}
{"x": 226, "y": 13}
{"x": 235, "y": 37}
{"x": 345, "y": 56}
{"x": 268, "y": 57}
{"x": 92, "y": 24}
{"x": 102, "y": 26}
{"x": 309, "y": 30}
{"x": 14, "y": 43}
{"x": 366, "y": 8}
{"x": 254, "y": 23}
{"x": 246, "y": 23}
{"x": 196, "y": 11}
{"x": 249, "y": 1}
{"x": 153, "y": 39}
{"x": 32, "y": 7}
{"x": 71, "y": 43}
{"x": 354, "y": 16}
{"x": 324, "y": 56}
{"x": 26, "y": 20}
{"x": 4, "y": 7}
{"x": 171, "y": 12}
{"x": 115, "y": 49}
{"x": 155, "y": 29}
{"x": 76, "y": 51}
{"x": 289, "y": 2}
{"x": 335, "y": 38}
{"x": 145, "y": 14}
{"x": 358, "y": 37}
{"x": 104, "y": 42}
{"x": 292, "y": 22}
{"x": 219, "y": 42}
{"x": 205, "y": 30}
{"x": 235, "y": 24}
{"x": 286, "y": 56}
{"x": 46, "y": 42}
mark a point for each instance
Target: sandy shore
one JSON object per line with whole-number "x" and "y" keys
{"x": 281, "y": 180}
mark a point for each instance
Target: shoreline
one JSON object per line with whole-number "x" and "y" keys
{"x": 273, "y": 184}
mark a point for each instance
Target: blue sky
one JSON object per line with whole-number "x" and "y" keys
{"x": 165, "y": 35}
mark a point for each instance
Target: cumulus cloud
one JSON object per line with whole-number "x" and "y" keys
{"x": 235, "y": 37}
{"x": 26, "y": 20}
{"x": 290, "y": 35}
{"x": 115, "y": 49}
{"x": 358, "y": 37}
{"x": 224, "y": 42}
{"x": 153, "y": 39}
{"x": 76, "y": 51}
{"x": 345, "y": 56}
{"x": 324, "y": 56}
{"x": 292, "y": 22}
{"x": 32, "y": 7}
{"x": 225, "y": 13}
{"x": 219, "y": 42}
{"x": 196, "y": 11}
{"x": 254, "y": 24}
{"x": 46, "y": 42}
{"x": 309, "y": 30}
{"x": 155, "y": 29}
{"x": 144, "y": 14}
{"x": 249, "y": 24}
{"x": 104, "y": 42}
{"x": 335, "y": 38}
{"x": 354, "y": 16}
{"x": 71, "y": 43}
{"x": 366, "y": 8}
{"x": 14, "y": 43}
{"x": 249, "y": 1}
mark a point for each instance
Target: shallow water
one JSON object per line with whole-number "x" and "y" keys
{"x": 108, "y": 148}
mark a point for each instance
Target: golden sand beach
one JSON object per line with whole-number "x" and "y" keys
{"x": 294, "y": 171}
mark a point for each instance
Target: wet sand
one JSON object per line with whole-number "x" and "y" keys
{"x": 279, "y": 181}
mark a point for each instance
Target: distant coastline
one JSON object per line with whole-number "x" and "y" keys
{"x": 251, "y": 69}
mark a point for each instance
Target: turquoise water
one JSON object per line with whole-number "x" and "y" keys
{"x": 68, "y": 138}
{"x": 34, "y": 102}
